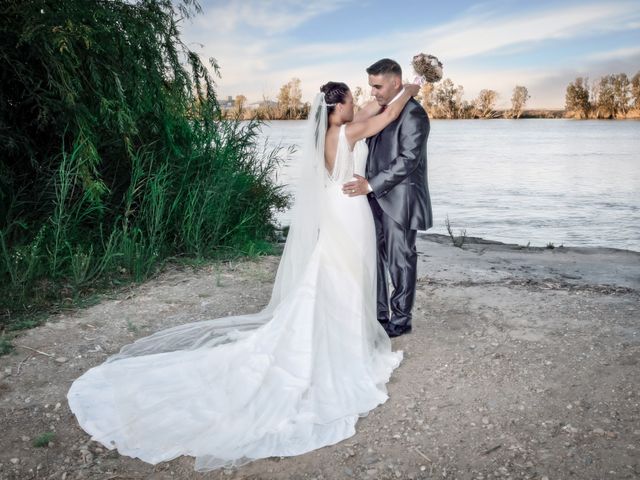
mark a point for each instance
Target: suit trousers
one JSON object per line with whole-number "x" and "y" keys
{"x": 396, "y": 255}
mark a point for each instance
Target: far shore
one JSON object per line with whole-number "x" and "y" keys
{"x": 504, "y": 115}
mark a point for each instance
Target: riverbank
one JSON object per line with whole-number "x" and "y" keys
{"x": 523, "y": 363}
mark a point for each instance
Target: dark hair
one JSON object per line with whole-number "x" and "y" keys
{"x": 334, "y": 92}
{"x": 385, "y": 66}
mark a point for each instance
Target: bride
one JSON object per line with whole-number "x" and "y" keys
{"x": 284, "y": 381}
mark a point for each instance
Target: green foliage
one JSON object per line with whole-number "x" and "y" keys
{"x": 113, "y": 154}
{"x": 43, "y": 439}
{"x": 5, "y": 345}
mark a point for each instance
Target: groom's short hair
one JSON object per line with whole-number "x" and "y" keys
{"x": 384, "y": 67}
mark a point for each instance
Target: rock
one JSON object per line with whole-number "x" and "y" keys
{"x": 598, "y": 431}
{"x": 370, "y": 459}
{"x": 485, "y": 420}
{"x": 24, "y": 438}
{"x": 7, "y": 371}
{"x": 58, "y": 405}
{"x": 372, "y": 472}
{"x": 61, "y": 359}
{"x": 87, "y": 456}
{"x": 15, "y": 461}
{"x": 347, "y": 471}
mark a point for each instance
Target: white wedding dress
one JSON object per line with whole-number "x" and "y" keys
{"x": 295, "y": 383}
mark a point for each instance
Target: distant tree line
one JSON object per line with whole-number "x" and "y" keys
{"x": 445, "y": 100}
{"x": 611, "y": 96}
{"x": 288, "y": 106}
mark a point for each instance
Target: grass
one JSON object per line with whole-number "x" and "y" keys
{"x": 43, "y": 439}
{"x": 5, "y": 344}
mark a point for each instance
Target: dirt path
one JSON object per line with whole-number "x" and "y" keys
{"x": 523, "y": 363}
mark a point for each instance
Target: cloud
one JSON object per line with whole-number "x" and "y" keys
{"x": 618, "y": 53}
{"x": 267, "y": 16}
{"x": 258, "y": 51}
{"x": 486, "y": 33}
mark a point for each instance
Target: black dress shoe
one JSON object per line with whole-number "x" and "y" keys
{"x": 396, "y": 330}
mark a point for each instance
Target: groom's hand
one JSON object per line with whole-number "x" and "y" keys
{"x": 356, "y": 187}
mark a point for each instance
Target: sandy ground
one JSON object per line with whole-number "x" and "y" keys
{"x": 523, "y": 363}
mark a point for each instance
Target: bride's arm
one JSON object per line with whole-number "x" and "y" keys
{"x": 358, "y": 130}
{"x": 368, "y": 110}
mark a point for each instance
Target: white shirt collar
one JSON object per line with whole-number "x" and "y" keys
{"x": 396, "y": 97}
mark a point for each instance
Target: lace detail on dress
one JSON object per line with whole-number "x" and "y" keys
{"x": 343, "y": 166}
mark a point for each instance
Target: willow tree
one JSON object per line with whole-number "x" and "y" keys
{"x": 577, "y": 103}
{"x": 518, "y": 100}
{"x": 485, "y": 103}
{"x": 112, "y": 153}
{"x": 635, "y": 91}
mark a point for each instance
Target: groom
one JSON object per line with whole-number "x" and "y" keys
{"x": 396, "y": 186}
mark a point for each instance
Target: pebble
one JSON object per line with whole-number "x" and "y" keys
{"x": 372, "y": 472}
{"x": 15, "y": 461}
{"x": 485, "y": 420}
{"x": 7, "y": 371}
{"x": 598, "y": 431}
{"x": 25, "y": 438}
{"x": 58, "y": 405}
{"x": 61, "y": 359}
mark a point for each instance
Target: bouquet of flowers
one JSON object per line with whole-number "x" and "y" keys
{"x": 427, "y": 67}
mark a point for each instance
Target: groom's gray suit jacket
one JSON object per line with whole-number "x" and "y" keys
{"x": 397, "y": 168}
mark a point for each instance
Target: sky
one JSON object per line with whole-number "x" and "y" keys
{"x": 541, "y": 44}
